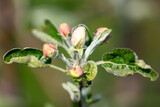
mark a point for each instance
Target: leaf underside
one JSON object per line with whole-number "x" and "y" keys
{"x": 124, "y": 62}
{"x": 32, "y": 57}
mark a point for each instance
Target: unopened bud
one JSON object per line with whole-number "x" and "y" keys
{"x": 64, "y": 29}
{"x": 49, "y": 50}
{"x": 76, "y": 71}
{"x": 78, "y": 37}
{"x": 100, "y": 31}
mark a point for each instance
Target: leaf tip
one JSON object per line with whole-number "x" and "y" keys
{"x": 7, "y": 54}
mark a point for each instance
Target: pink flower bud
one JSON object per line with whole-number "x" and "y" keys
{"x": 76, "y": 71}
{"x": 49, "y": 50}
{"x": 64, "y": 29}
{"x": 78, "y": 37}
{"x": 100, "y": 30}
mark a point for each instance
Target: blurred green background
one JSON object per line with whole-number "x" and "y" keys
{"x": 135, "y": 25}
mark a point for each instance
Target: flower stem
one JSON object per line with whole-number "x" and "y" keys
{"x": 57, "y": 68}
{"x": 80, "y": 103}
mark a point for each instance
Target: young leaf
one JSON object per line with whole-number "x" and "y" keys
{"x": 99, "y": 40}
{"x": 95, "y": 98}
{"x": 90, "y": 70}
{"x": 51, "y": 30}
{"x": 48, "y": 33}
{"x": 73, "y": 91}
{"x": 86, "y": 91}
{"x": 123, "y": 62}
{"x": 32, "y": 57}
{"x": 45, "y": 37}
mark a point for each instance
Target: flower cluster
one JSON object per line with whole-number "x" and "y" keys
{"x": 76, "y": 39}
{"x": 79, "y": 44}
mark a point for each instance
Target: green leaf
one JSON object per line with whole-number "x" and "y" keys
{"x": 48, "y": 33}
{"x": 51, "y": 30}
{"x": 90, "y": 70}
{"x": 123, "y": 62}
{"x": 73, "y": 91}
{"x": 32, "y": 57}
